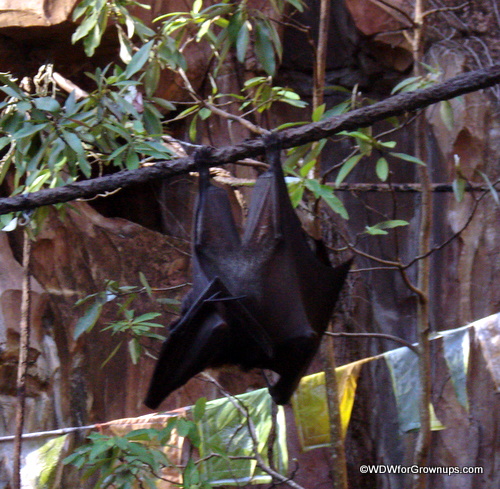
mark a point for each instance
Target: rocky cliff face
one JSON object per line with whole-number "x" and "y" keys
{"x": 119, "y": 237}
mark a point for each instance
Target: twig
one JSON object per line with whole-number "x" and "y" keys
{"x": 443, "y": 9}
{"x": 403, "y": 187}
{"x": 451, "y": 238}
{"x": 216, "y": 110}
{"x": 362, "y": 117}
{"x": 384, "y": 336}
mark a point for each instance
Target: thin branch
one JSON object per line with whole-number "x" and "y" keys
{"x": 402, "y": 187}
{"x": 451, "y": 238}
{"x": 384, "y": 336}
{"x": 362, "y": 117}
{"x": 389, "y": 263}
{"x": 443, "y": 9}
{"x": 371, "y": 269}
{"x": 216, "y": 110}
{"x": 22, "y": 371}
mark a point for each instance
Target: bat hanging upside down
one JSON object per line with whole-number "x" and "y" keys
{"x": 261, "y": 300}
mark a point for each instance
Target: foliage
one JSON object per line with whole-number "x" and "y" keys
{"x": 137, "y": 457}
{"x": 225, "y": 434}
{"x": 132, "y": 328}
{"x": 51, "y": 140}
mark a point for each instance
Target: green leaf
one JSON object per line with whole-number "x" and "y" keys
{"x": 190, "y": 475}
{"x": 10, "y": 226}
{"x": 297, "y": 4}
{"x": 287, "y": 125}
{"x": 295, "y": 191}
{"x": 146, "y": 317}
{"x": 85, "y": 27}
{"x": 168, "y": 301}
{"x": 48, "y": 104}
{"x": 193, "y": 128}
{"x": 255, "y": 81}
{"x": 388, "y": 144}
{"x": 152, "y": 122}
{"x": 154, "y": 149}
{"x": 346, "y": 168}
{"x": 73, "y": 142}
{"x": 318, "y": 113}
{"x": 242, "y": 41}
{"x": 264, "y": 48}
{"x": 199, "y": 409}
{"x": 152, "y": 78}
{"x": 205, "y": 113}
{"x": 327, "y": 194}
{"x": 197, "y": 4}
{"x": 382, "y": 169}
{"x": 365, "y": 140}
{"x": 407, "y": 84}
{"x": 338, "y": 109}
{"x": 125, "y": 48}
{"x": 4, "y": 168}
{"x": 70, "y": 104}
{"x": 80, "y": 9}
{"x": 458, "y": 186}
{"x": 92, "y": 40}
{"x": 185, "y": 112}
{"x": 11, "y": 92}
{"x": 6, "y": 80}
{"x": 358, "y": 135}
{"x": 380, "y": 227}
{"x": 135, "y": 350}
{"x": 304, "y": 170}
{"x": 28, "y": 130}
{"x": 374, "y": 231}
{"x": 410, "y": 158}
{"x": 138, "y": 60}
{"x": 89, "y": 319}
{"x": 145, "y": 283}
{"x": 118, "y": 129}
{"x": 492, "y": 189}
{"x": 446, "y": 113}
{"x": 204, "y": 30}
{"x": 164, "y": 104}
{"x": 132, "y": 160}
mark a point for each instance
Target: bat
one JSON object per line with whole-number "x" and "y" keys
{"x": 260, "y": 300}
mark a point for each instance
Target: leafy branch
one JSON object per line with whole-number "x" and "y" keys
{"x": 362, "y": 117}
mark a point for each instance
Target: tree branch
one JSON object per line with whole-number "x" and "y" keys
{"x": 363, "y": 117}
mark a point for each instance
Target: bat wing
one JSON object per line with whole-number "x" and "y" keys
{"x": 203, "y": 337}
{"x": 198, "y": 334}
{"x": 298, "y": 290}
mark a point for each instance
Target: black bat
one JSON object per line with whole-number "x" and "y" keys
{"x": 260, "y": 300}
